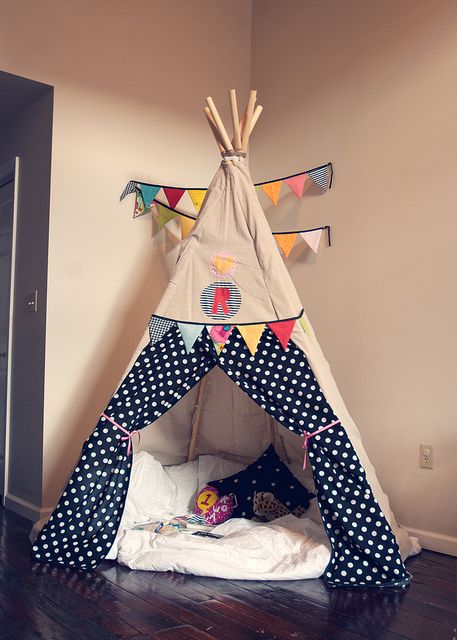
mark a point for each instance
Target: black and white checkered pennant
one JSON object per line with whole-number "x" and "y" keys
{"x": 158, "y": 327}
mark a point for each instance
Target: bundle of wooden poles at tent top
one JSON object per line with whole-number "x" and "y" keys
{"x": 242, "y": 129}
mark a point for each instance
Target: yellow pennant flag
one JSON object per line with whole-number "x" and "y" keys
{"x": 187, "y": 224}
{"x": 251, "y": 334}
{"x": 272, "y": 190}
{"x": 197, "y": 195}
{"x": 164, "y": 215}
{"x": 286, "y": 241}
{"x": 304, "y": 324}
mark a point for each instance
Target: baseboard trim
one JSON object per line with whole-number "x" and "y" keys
{"x": 26, "y": 509}
{"x": 435, "y": 541}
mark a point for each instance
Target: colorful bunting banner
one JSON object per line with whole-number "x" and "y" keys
{"x": 296, "y": 182}
{"x": 312, "y": 238}
{"x": 251, "y": 334}
{"x": 219, "y": 334}
{"x": 146, "y": 199}
{"x": 197, "y": 196}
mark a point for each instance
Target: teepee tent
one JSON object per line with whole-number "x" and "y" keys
{"x": 231, "y": 306}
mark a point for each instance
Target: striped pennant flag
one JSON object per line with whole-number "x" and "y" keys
{"x": 320, "y": 177}
{"x": 129, "y": 188}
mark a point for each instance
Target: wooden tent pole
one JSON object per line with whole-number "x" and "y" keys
{"x": 255, "y": 117}
{"x": 235, "y": 119}
{"x": 247, "y": 126}
{"x": 196, "y": 419}
{"x": 219, "y": 124}
{"x": 214, "y": 129}
{"x": 276, "y": 439}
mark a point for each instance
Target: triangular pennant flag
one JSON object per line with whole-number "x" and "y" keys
{"x": 220, "y": 332}
{"x": 197, "y": 195}
{"x": 219, "y": 335}
{"x": 312, "y": 238}
{"x": 320, "y": 177}
{"x": 304, "y": 325}
{"x": 190, "y": 333}
{"x": 297, "y": 183}
{"x": 164, "y": 215}
{"x": 251, "y": 334}
{"x": 149, "y": 193}
{"x": 272, "y": 190}
{"x": 129, "y": 188}
{"x": 286, "y": 241}
{"x": 139, "y": 204}
{"x": 282, "y": 331}
{"x": 158, "y": 327}
{"x": 173, "y": 195}
{"x": 187, "y": 224}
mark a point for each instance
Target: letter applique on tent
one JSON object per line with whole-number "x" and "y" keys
{"x": 270, "y": 353}
{"x": 220, "y": 300}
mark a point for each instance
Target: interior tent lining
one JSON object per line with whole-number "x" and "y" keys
{"x": 232, "y": 425}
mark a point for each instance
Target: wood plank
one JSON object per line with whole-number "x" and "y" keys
{"x": 53, "y": 603}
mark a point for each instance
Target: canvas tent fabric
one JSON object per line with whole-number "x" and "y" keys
{"x": 290, "y": 380}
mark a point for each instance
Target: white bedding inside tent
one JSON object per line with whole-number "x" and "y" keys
{"x": 287, "y": 548}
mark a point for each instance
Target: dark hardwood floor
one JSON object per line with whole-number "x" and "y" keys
{"x": 113, "y": 602}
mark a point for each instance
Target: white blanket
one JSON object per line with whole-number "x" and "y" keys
{"x": 288, "y": 548}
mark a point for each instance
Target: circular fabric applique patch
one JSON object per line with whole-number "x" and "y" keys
{"x": 223, "y": 264}
{"x": 220, "y": 300}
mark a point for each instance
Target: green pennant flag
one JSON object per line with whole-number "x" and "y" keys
{"x": 164, "y": 215}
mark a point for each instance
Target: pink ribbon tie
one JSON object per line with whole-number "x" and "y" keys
{"x": 127, "y": 437}
{"x": 308, "y": 435}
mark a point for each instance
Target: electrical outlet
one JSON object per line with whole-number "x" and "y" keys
{"x": 426, "y": 456}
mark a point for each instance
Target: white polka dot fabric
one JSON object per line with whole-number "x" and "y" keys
{"x": 83, "y": 526}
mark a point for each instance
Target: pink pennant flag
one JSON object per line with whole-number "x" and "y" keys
{"x": 282, "y": 331}
{"x": 297, "y": 184}
{"x": 173, "y": 195}
{"x": 312, "y": 238}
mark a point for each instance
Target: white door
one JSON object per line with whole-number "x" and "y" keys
{"x": 6, "y": 244}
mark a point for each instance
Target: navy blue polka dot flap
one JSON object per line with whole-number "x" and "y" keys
{"x": 268, "y": 473}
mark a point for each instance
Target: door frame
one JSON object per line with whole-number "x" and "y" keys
{"x": 9, "y": 171}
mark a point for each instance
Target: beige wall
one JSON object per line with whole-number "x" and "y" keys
{"x": 129, "y": 83}
{"x": 370, "y": 86}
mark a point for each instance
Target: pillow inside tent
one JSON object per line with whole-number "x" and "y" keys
{"x": 266, "y": 474}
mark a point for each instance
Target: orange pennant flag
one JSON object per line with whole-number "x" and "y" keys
{"x": 286, "y": 241}
{"x": 251, "y": 334}
{"x": 272, "y": 190}
{"x": 187, "y": 224}
{"x": 197, "y": 195}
